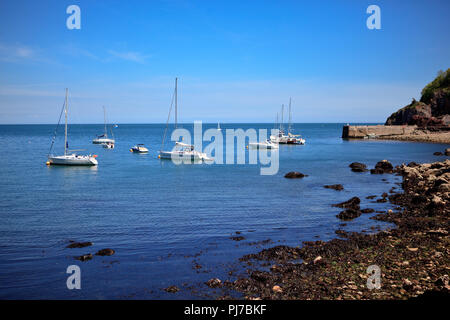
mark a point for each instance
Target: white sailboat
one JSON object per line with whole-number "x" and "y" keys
{"x": 181, "y": 150}
{"x": 290, "y": 138}
{"x": 218, "y": 126}
{"x": 69, "y": 159}
{"x": 103, "y": 139}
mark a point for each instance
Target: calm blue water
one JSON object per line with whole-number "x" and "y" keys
{"x": 163, "y": 219}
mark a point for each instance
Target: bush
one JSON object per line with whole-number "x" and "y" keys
{"x": 441, "y": 81}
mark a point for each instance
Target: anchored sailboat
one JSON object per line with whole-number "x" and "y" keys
{"x": 103, "y": 139}
{"x": 181, "y": 150}
{"x": 290, "y": 138}
{"x": 69, "y": 159}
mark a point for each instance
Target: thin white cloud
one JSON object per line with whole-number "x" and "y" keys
{"x": 75, "y": 51}
{"x": 129, "y": 56}
{"x": 15, "y": 53}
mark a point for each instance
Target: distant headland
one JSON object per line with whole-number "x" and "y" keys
{"x": 427, "y": 120}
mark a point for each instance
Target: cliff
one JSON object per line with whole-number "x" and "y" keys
{"x": 432, "y": 111}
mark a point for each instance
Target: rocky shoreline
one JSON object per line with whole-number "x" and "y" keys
{"x": 421, "y": 136}
{"x": 413, "y": 257}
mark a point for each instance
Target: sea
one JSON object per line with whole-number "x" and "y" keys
{"x": 171, "y": 224}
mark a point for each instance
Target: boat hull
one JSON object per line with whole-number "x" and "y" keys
{"x": 182, "y": 155}
{"x": 72, "y": 160}
{"x": 262, "y": 146}
{"x": 139, "y": 150}
{"x": 103, "y": 141}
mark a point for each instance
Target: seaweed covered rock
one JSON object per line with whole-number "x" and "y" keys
{"x": 105, "y": 252}
{"x": 353, "y": 203}
{"x": 74, "y": 244}
{"x": 358, "y": 167}
{"x": 381, "y": 167}
{"x": 337, "y": 187}
{"x": 349, "y": 214}
{"x": 295, "y": 175}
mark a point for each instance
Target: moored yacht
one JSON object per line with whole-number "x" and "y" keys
{"x": 181, "y": 151}
{"x": 70, "y": 158}
{"x": 103, "y": 139}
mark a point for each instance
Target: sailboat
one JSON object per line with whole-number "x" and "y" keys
{"x": 181, "y": 150}
{"x": 103, "y": 139}
{"x": 69, "y": 159}
{"x": 290, "y": 138}
{"x": 218, "y": 126}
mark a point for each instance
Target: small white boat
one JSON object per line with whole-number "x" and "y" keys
{"x": 218, "y": 126}
{"x": 264, "y": 145}
{"x": 139, "y": 148}
{"x": 103, "y": 139}
{"x": 184, "y": 151}
{"x": 71, "y": 159}
{"x": 108, "y": 145}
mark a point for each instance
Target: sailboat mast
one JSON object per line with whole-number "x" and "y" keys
{"x": 104, "y": 119}
{"x": 176, "y": 102}
{"x": 282, "y": 117}
{"x": 290, "y": 116}
{"x": 65, "y": 129}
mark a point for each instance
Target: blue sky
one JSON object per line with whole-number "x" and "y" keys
{"x": 237, "y": 61}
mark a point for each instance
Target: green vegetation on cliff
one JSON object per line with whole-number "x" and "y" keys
{"x": 442, "y": 81}
{"x": 433, "y": 109}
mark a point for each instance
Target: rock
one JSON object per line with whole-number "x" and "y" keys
{"x": 172, "y": 289}
{"x": 79, "y": 244}
{"x": 413, "y": 164}
{"x": 352, "y": 203}
{"x": 295, "y": 175}
{"x": 438, "y": 153}
{"x": 237, "y": 238}
{"x": 105, "y": 252}
{"x": 277, "y": 289}
{"x": 447, "y": 152}
{"x": 317, "y": 259}
{"x": 368, "y": 210}
{"x": 84, "y": 257}
{"x": 443, "y": 281}
{"x": 371, "y": 197}
{"x": 214, "y": 283}
{"x": 358, "y": 167}
{"x": 407, "y": 284}
{"x": 412, "y": 249}
{"x": 337, "y": 187}
{"x": 349, "y": 214}
{"x": 381, "y": 167}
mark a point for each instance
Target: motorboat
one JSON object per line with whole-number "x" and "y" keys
{"x": 139, "y": 148}
{"x": 268, "y": 144}
{"x": 108, "y": 145}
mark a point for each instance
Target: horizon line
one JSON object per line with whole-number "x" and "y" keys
{"x": 163, "y": 123}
